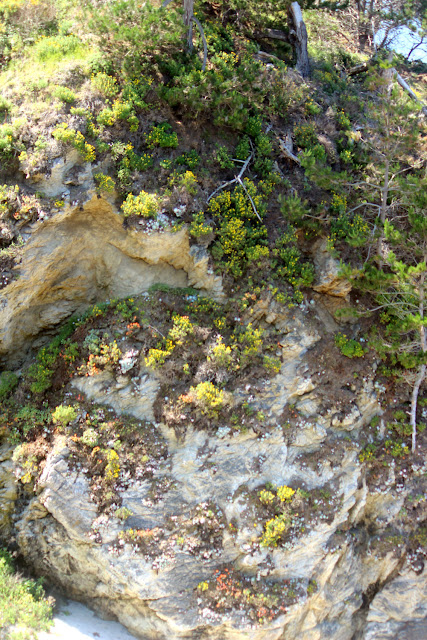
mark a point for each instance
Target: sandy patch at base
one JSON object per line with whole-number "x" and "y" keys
{"x": 74, "y": 621}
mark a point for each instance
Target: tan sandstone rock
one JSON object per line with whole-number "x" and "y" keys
{"x": 79, "y": 257}
{"x": 328, "y": 280}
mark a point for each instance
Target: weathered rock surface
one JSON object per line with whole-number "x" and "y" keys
{"x": 154, "y": 592}
{"x": 328, "y": 280}
{"x": 399, "y": 611}
{"x": 8, "y": 490}
{"x": 134, "y": 397}
{"x": 85, "y": 255}
{"x": 346, "y": 590}
{"x": 60, "y": 534}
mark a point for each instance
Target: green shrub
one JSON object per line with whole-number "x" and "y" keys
{"x": 266, "y": 497}
{"x": 90, "y": 437}
{"x": 208, "y": 398}
{"x": 127, "y": 162}
{"x": 162, "y": 136}
{"x": 104, "y": 183}
{"x": 305, "y": 135}
{"x": 123, "y": 513}
{"x": 352, "y": 228}
{"x": 63, "y": 415}
{"x": 24, "y": 609}
{"x": 274, "y": 530}
{"x": 223, "y": 158}
{"x": 312, "y": 108}
{"x": 105, "y": 84}
{"x": 272, "y": 364}
{"x": 239, "y": 230}
{"x": 76, "y": 139}
{"x": 290, "y": 264}
{"x": 186, "y": 181}
{"x": 56, "y": 47}
{"x": 243, "y": 149}
{"x": 190, "y": 159}
{"x": 64, "y": 94}
{"x": 343, "y": 120}
{"x": 330, "y": 79}
{"x": 181, "y": 328}
{"x": 41, "y": 372}
{"x": 8, "y": 382}
{"x": 293, "y": 209}
{"x": 9, "y": 146}
{"x": 349, "y": 347}
{"x": 112, "y": 470}
{"x": 199, "y": 227}
{"x": 157, "y": 357}
{"x": 135, "y": 91}
{"x": 285, "y": 493}
{"x": 251, "y": 342}
{"x": 145, "y": 205}
{"x": 220, "y": 354}
{"x": 135, "y": 35}
{"x": 119, "y": 111}
{"x": 26, "y": 419}
{"x": 229, "y": 90}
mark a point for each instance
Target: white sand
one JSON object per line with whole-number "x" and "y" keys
{"x": 74, "y": 621}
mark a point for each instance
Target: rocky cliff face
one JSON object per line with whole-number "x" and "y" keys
{"x": 189, "y": 545}
{"x": 83, "y": 256}
{"x": 191, "y": 564}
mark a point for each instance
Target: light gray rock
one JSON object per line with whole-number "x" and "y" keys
{"x": 8, "y": 490}
{"x": 399, "y": 610}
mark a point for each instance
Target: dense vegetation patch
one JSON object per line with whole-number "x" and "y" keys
{"x": 24, "y": 608}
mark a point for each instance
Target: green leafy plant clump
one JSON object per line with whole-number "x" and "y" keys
{"x": 8, "y": 382}
{"x": 241, "y": 236}
{"x": 349, "y": 348}
{"x": 57, "y": 46}
{"x": 145, "y": 205}
{"x": 24, "y": 608}
{"x": 162, "y": 136}
{"x": 76, "y": 139}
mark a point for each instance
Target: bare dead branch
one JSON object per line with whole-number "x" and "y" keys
{"x": 238, "y": 180}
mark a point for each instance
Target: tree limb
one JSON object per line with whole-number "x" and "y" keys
{"x": 299, "y": 37}
{"x": 205, "y": 44}
{"x": 239, "y": 180}
{"x": 361, "y": 68}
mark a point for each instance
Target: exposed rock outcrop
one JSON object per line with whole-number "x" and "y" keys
{"x": 154, "y": 593}
{"x": 8, "y": 490}
{"x": 85, "y": 255}
{"x": 328, "y": 280}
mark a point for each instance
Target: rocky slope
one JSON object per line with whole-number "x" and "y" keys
{"x": 186, "y": 559}
{"x": 192, "y": 440}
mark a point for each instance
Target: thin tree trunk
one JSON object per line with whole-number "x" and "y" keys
{"x": 422, "y": 370}
{"x": 383, "y": 209}
{"x": 298, "y": 35}
{"x": 188, "y": 6}
{"x": 414, "y": 402}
